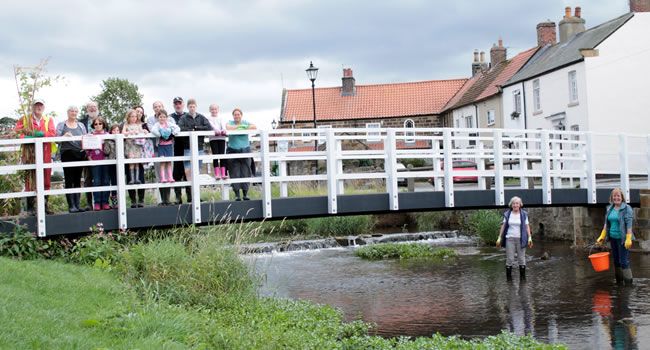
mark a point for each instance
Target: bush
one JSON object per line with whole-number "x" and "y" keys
{"x": 416, "y": 162}
{"x": 21, "y": 244}
{"x": 437, "y": 220}
{"x": 341, "y": 225}
{"x": 486, "y": 225}
{"x": 402, "y": 251}
{"x": 100, "y": 248}
{"x": 56, "y": 177}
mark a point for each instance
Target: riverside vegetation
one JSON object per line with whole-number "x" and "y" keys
{"x": 174, "y": 289}
{"x": 403, "y": 251}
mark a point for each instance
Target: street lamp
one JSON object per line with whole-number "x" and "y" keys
{"x": 274, "y": 124}
{"x": 312, "y": 72}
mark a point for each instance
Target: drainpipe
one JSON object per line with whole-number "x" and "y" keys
{"x": 523, "y": 89}
{"x": 476, "y": 112}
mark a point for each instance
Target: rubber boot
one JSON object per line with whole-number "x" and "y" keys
{"x": 114, "y": 202}
{"x": 509, "y": 273}
{"x": 619, "y": 275}
{"x": 132, "y": 177}
{"x": 217, "y": 173}
{"x": 246, "y": 195}
{"x": 47, "y": 207}
{"x": 627, "y": 276}
{"x": 141, "y": 198}
{"x": 164, "y": 196}
{"x": 72, "y": 208}
{"x": 223, "y": 172}
{"x": 134, "y": 202}
{"x": 76, "y": 197}
{"x": 137, "y": 175}
{"x": 188, "y": 193}
{"x": 29, "y": 207}
{"x": 179, "y": 196}
{"x": 89, "y": 201}
{"x": 522, "y": 272}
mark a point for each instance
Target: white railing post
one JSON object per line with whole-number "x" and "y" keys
{"x": 121, "y": 181}
{"x": 265, "y": 156}
{"x": 625, "y": 167}
{"x": 480, "y": 164}
{"x": 557, "y": 163}
{"x": 437, "y": 184}
{"x": 590, "y": 167}
{"x": 448, "y": 169}
{"x": 648, "y": 162}
{"x": 523, "y": 162}
{"x": 499, "y": 193}
{"x": 332, "y": 172}
{"x": 40, "y": 186}
{"x": 391, "y": 169}
{"x": 546, "y": 168}
{"x": 339, "y": 167}
{"x": 284, "y": 188}
{"x": 196, "y": 188}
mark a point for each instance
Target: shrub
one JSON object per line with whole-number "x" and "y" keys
{"x": 402, "y": 251}
{"x": 340, "y": 225}
{"x": 21, "y": 244}
{"x": 416, "y": 162}
{"x": 486, "y": 225}
{"x": 100, "y": 248}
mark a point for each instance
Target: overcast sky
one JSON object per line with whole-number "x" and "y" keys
{"x": 242, "y": 53}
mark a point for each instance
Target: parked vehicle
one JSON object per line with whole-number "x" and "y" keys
{"x": 461, "y": 165}
{"x": 401, "y": 181}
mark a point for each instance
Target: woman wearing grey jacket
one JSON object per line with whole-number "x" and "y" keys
{"x": 71, "y": 151}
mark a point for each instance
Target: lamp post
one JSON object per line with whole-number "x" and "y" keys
{"x": 312, "y": 72}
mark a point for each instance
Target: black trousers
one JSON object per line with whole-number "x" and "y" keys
{"x": 239, "y": 168}
{"x": 72, "y": 175}
{"x": 218, "y": 147}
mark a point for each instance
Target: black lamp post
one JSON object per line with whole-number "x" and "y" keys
{"x": 312, "y": 72}
{"x": 274, "y": 124}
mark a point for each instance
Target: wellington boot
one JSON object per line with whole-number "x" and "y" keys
{"x": 522, "y": 272}
{"x": 89, "y": 201}
{"x": 509, "y": 273}
{"x": 72, "y": 208}
{"x": 76, "y": 197}
{"x": 47, "y": 207}
{"x": 619, "y": 275}
{"x": 134, "y": 201}
{"x": 188, "y": 193}
{"x": 627, "y": 276}
{"x": 141, "y": 198}
{"x": 29, "y": 207}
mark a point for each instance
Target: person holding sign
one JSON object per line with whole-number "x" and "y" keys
{"x": 71, "y": 151}
{"x": 100, "y": 172}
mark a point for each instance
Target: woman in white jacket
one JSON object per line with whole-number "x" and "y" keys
{"x": 218, "y": 142}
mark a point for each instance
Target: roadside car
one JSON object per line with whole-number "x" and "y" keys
{"x": 461, "y": 165}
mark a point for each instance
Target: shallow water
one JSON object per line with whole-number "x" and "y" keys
{"x": 562, "y": 300}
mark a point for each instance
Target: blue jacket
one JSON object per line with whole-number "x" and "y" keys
{"x": 524, "y": 233}
{"x": 625, "y": 219}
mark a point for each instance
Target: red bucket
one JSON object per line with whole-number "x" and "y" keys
{"x": 600, "y": 261}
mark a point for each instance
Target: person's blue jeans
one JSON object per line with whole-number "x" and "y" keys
{"x": 619, "y": 253}
{"x": 187, "y": 164}
{"x": 101, "y": 178}
{"x": 112, "y": 175}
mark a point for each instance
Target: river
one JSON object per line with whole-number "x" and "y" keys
{"x": 562, "y": 300}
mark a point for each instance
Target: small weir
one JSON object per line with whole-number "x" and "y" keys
{"x": 563, "y": 299}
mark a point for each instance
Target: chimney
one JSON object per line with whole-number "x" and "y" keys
{"x": 348, "y": 88}
{"x": 546, "y": 33}
{"x": 639, "y": 5}
{"x": 478, "y": 66}
{"x": 497, "y": 54}
{"x": 571, "y": 25}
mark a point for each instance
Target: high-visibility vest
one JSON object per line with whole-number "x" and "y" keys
{"x": 54, "y": 146}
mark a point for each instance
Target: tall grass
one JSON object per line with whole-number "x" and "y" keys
{"x": 485, "y": 224}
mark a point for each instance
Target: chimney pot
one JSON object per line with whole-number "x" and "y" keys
{"x": 500, "y": 43}
{"x": 577, "y": 12}
{"x": 639, "y": 5}
{"x": 347, "y": 87}
{"x": 482, "y": 56}
{"x": 475, "y": 56}
{"x": 570, "y": 26}
{"x": 567, "y": 12}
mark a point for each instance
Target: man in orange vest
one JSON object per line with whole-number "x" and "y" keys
{"x": 42, "y": 126}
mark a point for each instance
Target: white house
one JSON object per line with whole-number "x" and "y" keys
{"x": 592, "y": 80}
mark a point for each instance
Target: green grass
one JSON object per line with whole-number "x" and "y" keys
{"x": 403, "y": 251}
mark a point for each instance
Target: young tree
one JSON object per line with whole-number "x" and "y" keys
{"x": 116, "y": 98}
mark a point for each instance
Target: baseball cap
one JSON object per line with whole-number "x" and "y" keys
{"x": 38, "y": 100}
{"x": 178, "y": 99}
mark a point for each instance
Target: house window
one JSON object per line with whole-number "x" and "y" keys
{"x": 575, "y": 137}
{"x": 469, "y": 123}
{"x": 573, "y": 87}
{"x": 490, "y": 117}
{"x": 410, "y": 135}
{"x": 373, "y": 133}
{"x": 457, "y": 123}
{"x": 537, "y": 103}
{"x": 516, "y": 102}
{"x": 323, "y": 134}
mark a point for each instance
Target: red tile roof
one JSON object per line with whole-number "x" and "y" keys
{"x": 418, "y": 144}
{"x": 468, "y": 84}
{"x": 513, "y": 67}
{"x": 371, "y": 101}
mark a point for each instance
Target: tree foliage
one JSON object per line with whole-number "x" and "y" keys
{"x": 116, "y": 98}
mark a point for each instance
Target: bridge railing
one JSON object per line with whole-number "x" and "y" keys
{"x": 544, "y": 159}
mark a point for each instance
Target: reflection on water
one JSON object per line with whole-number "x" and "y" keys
{"x": 563, "y": 299}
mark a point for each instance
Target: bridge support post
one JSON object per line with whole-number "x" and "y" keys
{"x": 625, "y": 167}
{"x": 499, "y": 193}
{"x": 332, "y": 172}
{"x": 121, "y": 181}
{"x": 40, "y": 187}
{"x": 266, "y": 173}
{"x": 391, "y": 169}
{"x": 284, "y": 188}
{"x": 339, "y": 167}
{"x": 196, "y": 187}
{"x": 449, "y": 168}
{"x": 480, "y": 164}
{"x": 546, "y": 168}
{"x": 642, "y": 231}
{"x": 590, "y": 168}
{"x": 437, "y": 184}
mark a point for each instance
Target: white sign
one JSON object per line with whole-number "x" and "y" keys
{"x": 91, "y": 142}
{"x": 283, "y": 146}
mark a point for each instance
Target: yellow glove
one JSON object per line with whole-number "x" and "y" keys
{"x": 628, "y": 241}
{"x": 499, "y": 242}
{"x": 601, "y": 239}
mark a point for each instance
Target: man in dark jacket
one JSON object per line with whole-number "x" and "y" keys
{"x": 92, "y": 112}
{"x": 192, "y": 121}
{"x": 179, "y": 172}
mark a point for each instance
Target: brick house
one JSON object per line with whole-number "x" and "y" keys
{"x": 396, "y": 105}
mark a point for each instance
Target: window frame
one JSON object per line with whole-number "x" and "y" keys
{"x": 373, "y": 133}
{"x": 537, "y": 102}
{"x": 516, "y": 101}
{"x": 491, "y": 112}
{"x": 409, "y": 133}
{"x": 573, "y": 86}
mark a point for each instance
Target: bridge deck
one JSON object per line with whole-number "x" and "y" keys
{"x": 302, "y": 207}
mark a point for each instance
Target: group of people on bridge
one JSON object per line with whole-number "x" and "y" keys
{"x": 166, "y": 143}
